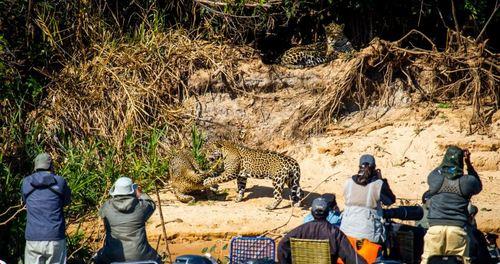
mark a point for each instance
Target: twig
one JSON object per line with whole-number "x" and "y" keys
{"x": 84, "y": 243}
{"x": 163, "y": 224}
{"x": 292, "y": 207}
{"x": 215, "y": 3}
{"x": 420, "y": 12}
{"x": 321, "y": 182}
{"x": 158, "y": 243}
{"x": 226, "y": 14}
{"x": 10, "y": 208}
{"x": 398, "y": 42}
{"x": 488, "y": 22}
{"x": 457, "y": 28}
{"x": 13, "y": 216}
{"x": 282, "y": 225}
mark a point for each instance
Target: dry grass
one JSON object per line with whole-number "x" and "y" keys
{"x": 139, "y": 85}
{"x": 465, "y": 70}
{"x": 132, "y": 85}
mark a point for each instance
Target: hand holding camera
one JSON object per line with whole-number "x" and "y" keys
{"x": 138, "y": 191}
{"x": 467, "y": 157}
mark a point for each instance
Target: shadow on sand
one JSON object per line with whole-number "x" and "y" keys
{"x": 265, "y": 191}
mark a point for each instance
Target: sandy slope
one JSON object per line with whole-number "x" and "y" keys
{"x": 407, "y": 142}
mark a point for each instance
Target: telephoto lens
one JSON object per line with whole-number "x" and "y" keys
{"x": 404, "y": 213}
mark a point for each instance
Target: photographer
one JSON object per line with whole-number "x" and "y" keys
{"x": 319, "y": 229}
{"x": 451, "y": 191}
{"x": 125, "y": 216}
{"x": 45, "y": 194}
{"x": 364, "y": 195}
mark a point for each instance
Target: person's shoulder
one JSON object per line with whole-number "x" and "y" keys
{"x": 27, "y": 178}
{"x": 104, "y": 207}
{"x": 435, "y": 175}
{"x": 435, "y": 172}
{"x": 349, "y": 180}
{"x": 59, "y": 179}
{"x": 378, "y": 181}
{"x": 469, "y": 180}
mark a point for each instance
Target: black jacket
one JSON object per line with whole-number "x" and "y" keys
{"x": 320, "y": 229}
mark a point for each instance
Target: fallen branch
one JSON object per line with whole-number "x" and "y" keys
{"x": 13, "y": 216}
{"x": 252, "y": 5}
{"x": 497, "y": 6}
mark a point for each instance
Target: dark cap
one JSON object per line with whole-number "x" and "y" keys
{"x": 367, "y": 158}
{"x": 319, "y": 208}
{"x": 330, "y": 199}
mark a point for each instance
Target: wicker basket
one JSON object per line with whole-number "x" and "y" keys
{"x": 310, "y": 251}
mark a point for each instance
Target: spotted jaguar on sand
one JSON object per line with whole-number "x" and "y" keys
{"x": 240, "y": 162}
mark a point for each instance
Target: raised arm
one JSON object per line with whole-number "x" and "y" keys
{"x": 472, "y": 185}
{"x": 387, "y": 197}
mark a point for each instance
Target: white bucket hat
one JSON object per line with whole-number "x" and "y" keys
{"x": 123, "y": 186}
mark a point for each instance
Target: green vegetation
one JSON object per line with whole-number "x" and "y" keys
{"x": 443, "y": 105}
{"x": 41, "y": 42}
{"x": 197, "y": 141}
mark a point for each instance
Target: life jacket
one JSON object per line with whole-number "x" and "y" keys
{"x": 365, "y": 248}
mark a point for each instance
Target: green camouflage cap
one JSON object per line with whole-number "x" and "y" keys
{"x": 453, "y": 163}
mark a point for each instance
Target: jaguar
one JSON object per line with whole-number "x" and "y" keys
{"x": 185, "y": 176}
{"x": 240, "y": 162}
{"x": 318, "y": 53}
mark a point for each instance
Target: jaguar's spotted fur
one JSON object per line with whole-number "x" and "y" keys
{"x": 318, "y": 53}
{"x": 240, "y": 163}
{"x": 185, "y": 177}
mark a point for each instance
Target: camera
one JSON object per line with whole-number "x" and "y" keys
{"x": 404, "y": 213}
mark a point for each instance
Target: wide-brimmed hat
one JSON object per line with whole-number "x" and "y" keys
{"x": 43, "y": 161}
{"x": 123, "y": 186}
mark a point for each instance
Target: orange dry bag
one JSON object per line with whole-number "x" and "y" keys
{"x": 365, "y": 248}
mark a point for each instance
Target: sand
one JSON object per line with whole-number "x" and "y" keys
{"x": 408, "y": 142}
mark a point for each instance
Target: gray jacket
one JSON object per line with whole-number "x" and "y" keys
{"x": 450, "y": 197}
{"x": 125, "y": 222}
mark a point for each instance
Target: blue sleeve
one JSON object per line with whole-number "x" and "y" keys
{"x": 334, "y": 218}
{"x": 308, "y": 218}
{"x": 25, "y": 189}
{"x": 23, "y": 194}
{"x": 67, "y": 193}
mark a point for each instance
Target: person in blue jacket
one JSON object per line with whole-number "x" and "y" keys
{"x": 333, "y": 217}
{"x": 45, "y": 194}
